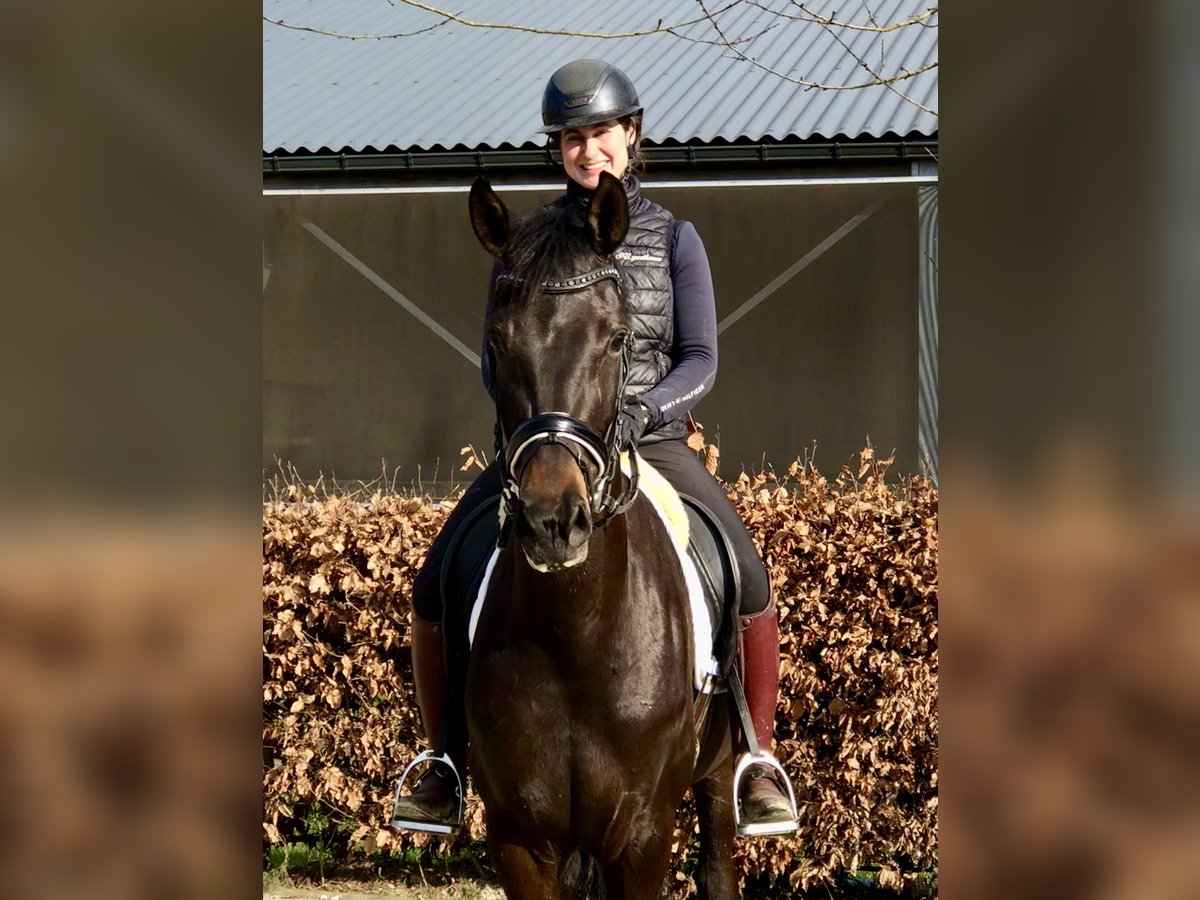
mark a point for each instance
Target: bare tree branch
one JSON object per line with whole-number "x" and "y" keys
{"x": 724, "y": 43}
{"x": 876, "y": 79}
{"x": 657, "y": 29}
{"x": 866, "y": 9}
{"x": 829, "y": 24}
{"x": 888, "y": 83}
{"x": 354, "y": 37}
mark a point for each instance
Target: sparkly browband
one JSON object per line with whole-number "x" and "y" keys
{"x": 569, "y": 285}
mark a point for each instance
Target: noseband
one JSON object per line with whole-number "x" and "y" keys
{"x": 598, "y": 457}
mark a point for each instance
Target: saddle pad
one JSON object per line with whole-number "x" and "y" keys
{"x": 676, "y": 525}
{"x": 667, "y": 501}
{"x": 717, "y": 566}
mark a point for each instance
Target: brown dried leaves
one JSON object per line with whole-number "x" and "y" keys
{"x": 854, "y": 567}
{"x": 338, "y": 711}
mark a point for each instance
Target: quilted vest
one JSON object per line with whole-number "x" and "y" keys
{"x": 645, "y": 263}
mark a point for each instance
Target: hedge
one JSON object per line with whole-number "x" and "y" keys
{"x": 853, "y": 561}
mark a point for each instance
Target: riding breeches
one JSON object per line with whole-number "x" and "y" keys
{"x": 678, "y": 464}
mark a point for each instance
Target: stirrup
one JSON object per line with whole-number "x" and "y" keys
{"x": 749, "y": 829}
{"x": 432, "y": 827}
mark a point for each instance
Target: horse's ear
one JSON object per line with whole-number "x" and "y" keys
{"x": 489, "y": 217}
{"x": 608, "y": 215}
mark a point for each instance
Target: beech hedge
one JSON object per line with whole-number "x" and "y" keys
{"x": 853, "y": 562}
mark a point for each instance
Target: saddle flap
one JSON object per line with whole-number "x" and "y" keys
{"x": 468, "y": 554}
{"x": 712, "y": 554}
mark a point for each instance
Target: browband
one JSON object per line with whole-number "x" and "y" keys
{"x": 568, "y": 285}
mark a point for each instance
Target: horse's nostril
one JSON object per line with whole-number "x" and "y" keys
{"x": 525, "y": 522}
{"x": 582, "y": 522}
{"x": 573, "y": 521}
{"x": 559, "y": 528}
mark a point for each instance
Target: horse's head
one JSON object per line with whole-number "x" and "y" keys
{"x": 560, "y": 343}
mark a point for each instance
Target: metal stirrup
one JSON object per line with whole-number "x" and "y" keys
{"x": 749, "y": 829}
{"x": 432, "y": 827}
{"x": 756, "y": 757}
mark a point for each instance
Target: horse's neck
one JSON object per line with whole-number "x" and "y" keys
{"x": 576, "y": 605}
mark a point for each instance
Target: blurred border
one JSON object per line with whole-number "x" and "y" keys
{"x": 130, "y": 517}
{"x": 1071, "y": 537}
{"x": 130, "y": 354}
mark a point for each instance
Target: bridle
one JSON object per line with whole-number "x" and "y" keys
{"x": 598, "y": 458}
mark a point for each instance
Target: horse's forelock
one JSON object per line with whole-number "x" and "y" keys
{"x": 550, "y": 244}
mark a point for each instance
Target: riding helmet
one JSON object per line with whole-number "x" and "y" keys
{"x": 585, "y": 92}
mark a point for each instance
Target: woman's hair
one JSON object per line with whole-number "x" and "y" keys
{"x": 637, "y": 159}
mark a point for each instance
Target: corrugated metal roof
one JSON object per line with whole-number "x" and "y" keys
{"x": 457, "y": 86}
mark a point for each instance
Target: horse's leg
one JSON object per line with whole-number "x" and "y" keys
{"x": 526, "y": 873}
{"x": 715, "y": 875}
{"x": 640, "y": 872}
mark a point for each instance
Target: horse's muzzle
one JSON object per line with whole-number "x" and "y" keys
{"x": 554, "y": 532}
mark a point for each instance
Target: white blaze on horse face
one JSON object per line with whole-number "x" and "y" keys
{"x": 593, "y": 149}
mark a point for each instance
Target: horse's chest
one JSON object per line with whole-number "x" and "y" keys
{"x": 549, "y": 747}
{"x": 523, "y": 691}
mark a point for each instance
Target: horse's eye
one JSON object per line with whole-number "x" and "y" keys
{"x": 617, "y": 344}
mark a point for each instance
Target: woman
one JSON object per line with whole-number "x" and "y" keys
{"x": 591, "y": 112}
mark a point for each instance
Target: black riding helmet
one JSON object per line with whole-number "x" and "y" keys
{"x": 585, "y": 92}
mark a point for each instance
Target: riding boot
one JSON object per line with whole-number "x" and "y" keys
{"x": 436, "y": 798}
{"x": 763, "y": 798}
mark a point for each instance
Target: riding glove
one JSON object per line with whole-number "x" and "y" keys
{"x": 632, "y": 422}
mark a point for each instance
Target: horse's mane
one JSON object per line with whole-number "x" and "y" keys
{"x": 549, "y": 243}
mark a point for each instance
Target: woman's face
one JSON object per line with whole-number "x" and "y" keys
{"x": 592, "y": 149}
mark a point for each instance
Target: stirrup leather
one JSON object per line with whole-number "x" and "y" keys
{"x": 431, "y": 826}
{"x": 762, "y": 758}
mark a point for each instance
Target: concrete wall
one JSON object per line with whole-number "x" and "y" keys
{"x": 827, "y": 356}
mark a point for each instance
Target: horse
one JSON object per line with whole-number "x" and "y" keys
{"x": 579, "y": 695}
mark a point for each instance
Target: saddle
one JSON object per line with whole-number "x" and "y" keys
{"x": 467, "y": 557}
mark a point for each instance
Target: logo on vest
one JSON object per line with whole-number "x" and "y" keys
{"x": 630, "y": 256}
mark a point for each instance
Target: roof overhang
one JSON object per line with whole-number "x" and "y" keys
{"x": 538, "y": 161}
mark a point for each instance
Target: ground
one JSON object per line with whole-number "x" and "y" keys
{"x": 464, "y": 877}
{"x": 382, "y": 890}
{"x": 469, "y": 889}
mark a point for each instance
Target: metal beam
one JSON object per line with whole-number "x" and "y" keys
{"x": 363, "y": 269}
{"x": 647, "y": 184}
{"x": 798, "y": 266}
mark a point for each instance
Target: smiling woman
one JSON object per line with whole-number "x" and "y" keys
{"x": 591, "y": 149}
{"x": 593, "y": 115}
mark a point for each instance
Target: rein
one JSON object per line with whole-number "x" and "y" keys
{"x": 598, "y": 458}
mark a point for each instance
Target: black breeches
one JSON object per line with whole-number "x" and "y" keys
{"x": 677, "y": 463}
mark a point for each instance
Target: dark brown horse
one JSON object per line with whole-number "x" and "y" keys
{"x": 579, "y": 694}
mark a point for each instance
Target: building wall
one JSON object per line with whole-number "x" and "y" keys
{"x": 826, "y": 355}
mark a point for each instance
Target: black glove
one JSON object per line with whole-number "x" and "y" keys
{"x": 632, "y": 421}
